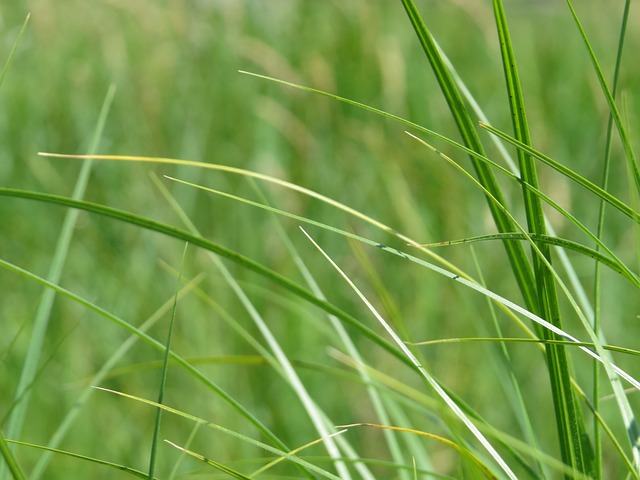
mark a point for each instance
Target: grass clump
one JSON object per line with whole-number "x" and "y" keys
{"x": 356, "y": 301}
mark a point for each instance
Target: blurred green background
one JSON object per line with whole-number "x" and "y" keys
{"x": 179, "y": 94}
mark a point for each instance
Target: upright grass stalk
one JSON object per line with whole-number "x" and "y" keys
{"x": 606, "y": 167}
{"x": 574, "y": 445}
{"x": 165, "y": 369}
{"x": 466, "y": 127}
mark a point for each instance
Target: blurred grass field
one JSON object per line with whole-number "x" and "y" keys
{"x": 179, "y": 94}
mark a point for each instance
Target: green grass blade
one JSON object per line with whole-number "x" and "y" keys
{"x": 615, "y": 113}
{"x": 289, "y": 456}
{"x": 9, "y": 61}
{"x": 97, "y": 461}
{"x": 600, "y": 230}
{"x": 614, "y": 264}
{"x": 592, "y": 187}
{"x": 611, "y": 371}
{"x": 104, "y": 372}
{"x": 280, "y": 359}
{"x": 519, "y": 262}
{"x": 41, "y": 321}
{"x": 604, "y": 195}
{"x": 423, "y": 372}
{"x": 183, "y": 235}
{"x": 153, "y": 342}
{"x": 454, "y": 276}
{"x": 219, "y": 466}
{"x": 165, "y": 369}
{"x": 10, "y": 460}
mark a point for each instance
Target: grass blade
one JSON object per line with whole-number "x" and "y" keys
{"x": 592, "y": 187}
{"x": 10, "y": 460}
{"x": 519, "y": 262}
{"x": 423, "y": 372}
{"x": 14, "y": 49}
{"x": 165, "y": 368}
{"x": 615, "y": 113}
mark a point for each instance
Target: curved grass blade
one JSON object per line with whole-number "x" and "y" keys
{"x": 540, "y": 238}
{"x": 592, "y": 187}
{"x": 464, "y": 452}
{"x": 153, "y": 342}
{"x": 341, "y": 206}
{"x": 602, "y": 194}
{"x": 612, "y": 348}
{"x": 115, "y": 466}
{"x": 292, "y": 457}
{"x": 503, "y": 302}
{"x": 179, "y": 234}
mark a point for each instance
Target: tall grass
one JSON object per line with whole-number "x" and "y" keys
{"x": 322, "y": 322}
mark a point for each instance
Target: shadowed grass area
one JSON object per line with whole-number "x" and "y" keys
{"x": 374, "y": 339}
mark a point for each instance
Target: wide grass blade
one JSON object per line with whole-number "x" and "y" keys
{"x": 466, "y": 127}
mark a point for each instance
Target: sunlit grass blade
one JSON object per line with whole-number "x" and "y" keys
{"x": 294, "y": 452}
{"x": 292, "y": 457}
{"x": 165, "y": 368}
{"x": 615, "y": 265}
{"x": 464, "y": 452}
{"x": 423, "y": 372}
{"x": 541, "y": 341}
{"x": 97, "y": 461}
{"x": 42, "y": 316}
{"x": 617, "y": 118}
